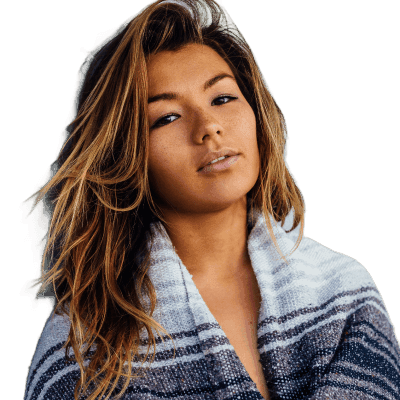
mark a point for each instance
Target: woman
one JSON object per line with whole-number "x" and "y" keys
{"x": 146, "y": 233}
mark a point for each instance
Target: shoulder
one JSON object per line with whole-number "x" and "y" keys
{"x": 332, "y": 266}
{"x": 339, "y": 284}
{"x": 50, "y": 375}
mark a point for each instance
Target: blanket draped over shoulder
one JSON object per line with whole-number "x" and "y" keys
{"x": 323, "y": 330}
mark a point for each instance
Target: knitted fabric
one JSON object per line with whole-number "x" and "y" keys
{"x": 323, "y": 330}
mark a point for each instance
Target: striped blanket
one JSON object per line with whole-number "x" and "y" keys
{"x": 323, "y": 331}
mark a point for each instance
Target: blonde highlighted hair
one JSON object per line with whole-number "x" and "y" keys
{"x": 99, "y": 198}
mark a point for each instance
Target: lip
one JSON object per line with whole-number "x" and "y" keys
{"x": 213, "y": 155}
{"x": 220, "y": 165}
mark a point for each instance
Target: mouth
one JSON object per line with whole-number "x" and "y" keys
{"x": 213, "y": 157}
{"x": 216, "y": 161}
{"x": 219, "y": 165}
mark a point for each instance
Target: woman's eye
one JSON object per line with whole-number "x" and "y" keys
{"x": 225, "y": 97}
{"x": 160, "y": 123}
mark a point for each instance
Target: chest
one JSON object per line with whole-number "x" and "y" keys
{"x": 235, "y": 306}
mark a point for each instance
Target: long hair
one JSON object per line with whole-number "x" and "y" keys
{"x": 99, "y": 199}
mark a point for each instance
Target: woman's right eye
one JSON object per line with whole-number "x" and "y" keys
{"x": 158, "y": 122}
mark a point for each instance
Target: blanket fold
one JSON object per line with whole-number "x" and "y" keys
{"x": 323, "y": 330}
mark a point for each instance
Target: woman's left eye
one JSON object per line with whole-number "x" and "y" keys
{"x": 225, "y": 97}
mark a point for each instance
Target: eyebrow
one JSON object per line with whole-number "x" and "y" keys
{"x": 174, "y": 96}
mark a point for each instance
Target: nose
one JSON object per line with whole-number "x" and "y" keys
{"x": 206, "y": 125}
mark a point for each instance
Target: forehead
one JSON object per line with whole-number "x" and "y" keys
{"x": 193, "y": 63}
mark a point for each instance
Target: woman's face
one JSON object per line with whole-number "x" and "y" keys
{"x": 179, "y": 142}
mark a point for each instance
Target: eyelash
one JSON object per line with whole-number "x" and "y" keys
{"x": 158, "y": 124}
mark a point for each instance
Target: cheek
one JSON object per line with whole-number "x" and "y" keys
{"x": 251, "y": 137}
{"x": 158, "y": 156}
{"x": 157, "y": 181}
{"x": 155, "y": 166}
{"x": 249, "y": 129}
{"x": 161, "y": 168}
{"x": 248, "y": 119}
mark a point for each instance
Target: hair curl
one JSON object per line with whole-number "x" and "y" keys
{"x": 99, "y": 198}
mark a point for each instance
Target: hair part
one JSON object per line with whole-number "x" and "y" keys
{"x": 99, "y": 198}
